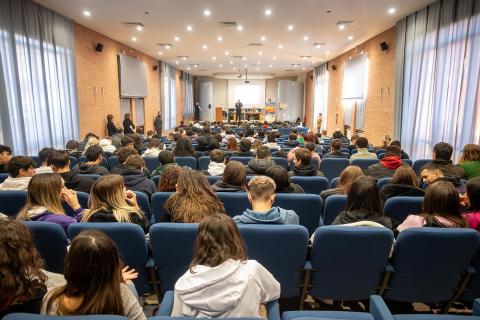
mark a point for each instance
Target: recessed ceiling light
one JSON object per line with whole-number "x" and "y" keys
{"x": 391, "y": 10}
{"x": 328, "y": 52}
{"x": 304, "y": 57}
{"x": 260, "y": 53}
{"x": 313, "y": 62}
{"x": 350, "y": 38}
{"x": 160, "y": 52}
{"x": 274, "y": 58}
{"x": 263, "y": 38}
{"x": 87, "y": 13}
{"x": 290, "y": 27}
{"x": 184, "y": 58}
{"x": 205, "y": 47}
{"x": 168, "y": 47}
{"x": 257, "y": 69}
{"x": 270, "y": 66}
{"x": 139, "y": 28}
{"x": 303, "y": 68}
{"x": 317, "y": 46}
{"x": 245, "y": 65}
{"x": 280, "y": 46}
{"x": 188, "y": 68}
{"x": 259, "y": 62}
{"x": 305, "y": 38}
{"x": 220, "y": 65}
{"x": 234, "y": 68}
{"x": 219, "y": 38}
{"x": 341, "y": 27}
{"x": 134, "y": 39}
{"x": 231, "y": 62}
{"x": 196, "y": 65}
{"x": 240, "y": 28}
{"x": 268, "y": 12}
{"x": 206, "y": 12}
{"x": 244, "y": 58}
{"x": 176, "y": 39}
{"x": 214, "y": 58}
{"x": 176, "y": 62}
{"x": 227, "y": 53}
{"x": 189, "y": 28}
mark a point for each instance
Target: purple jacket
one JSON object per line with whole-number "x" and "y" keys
{"x": 63, "y": 220}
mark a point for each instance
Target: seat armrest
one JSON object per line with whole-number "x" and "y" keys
{"x": 378, "y": 309}
{"x": 273, "y": 310}
{"x": 166, "y": 306}
{"x": 476, "y": 307}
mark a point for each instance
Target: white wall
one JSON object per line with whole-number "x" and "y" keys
{"x": 232, "y": 98}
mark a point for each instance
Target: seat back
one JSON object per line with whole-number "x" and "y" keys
{"x": 379, "y": 151}
{"x": 428, "y": 263}
{"x": 243, "y": 160}
{"x": 334, "y": 182}
{"x": 156, "y": 180}
{"x": 36, "y": 159}
{"x": 158, "y": 201}
{"x": 364, "y": 163}
{"x": 172, "y": 250}
{"x": 144, "y": 204}
{"x": 73, "y": 161}
{"x": 234, "y": 202}
{"x": 130, "y": 241}
{"x": 349, "y": 261}
{"x": 473, "y": 286}
{"x": 383, "y": 181}
{"x": 408, "y": 161}
{"x": 152, "y": 163}
{"x": 51, "y": 242}
{"x": 399, "y": 208}
{"x": 11, "y": 201}
{"x": 92, "y": 176}
{"x": 31, "y": 316}
{"x": 263, "y": 243}
{"x": 113, "y": 162}
{"x": 332, "y": 168}
{"x": 4, "y": 176}
{"x": 82, "y": 200}
{"x": 334, "y": 204}
{"x": 203, "y": 163}
{"x": 213, "y": 179}
{"x": 281, "y": 162}
{"x": 190, "y": 162}
{"x": 418, "y": 164}
{"x": 313, "y": 185}
{"x": 104, "y": 162}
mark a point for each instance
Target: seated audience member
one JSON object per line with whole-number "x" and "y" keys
{"x": 261, "y": 162}
{"x": 72, "y": 148}
{"x": 44, "y": 154}
{"x": 117, "y": 138}
{"x": 134, "y": 177}
{"x": 282, "y": 181}
{"x": 441, "y": 209}
{"x": 95, "y": 281}
{"x": 94, "y": 155}
{"x": 106, "y": 145}
{"x": 324, "y": 135}
{"x": 470, "y": 161}
{"x": 110, "y": 202}
{"x": 403, "y": 154}
{"x": 472, "y": 215}
{"x": 364, "y": 205}
{"x": 44, "y": 201}
{"x": 311, "y": 147}
{"x": 21, "y": 170}
{"x": 82, "y": 145}
{"x": 60, "y": 163}
{"x": 183, "y": 148}
{"x": 153, "y": 149}
{"x": 127, "y": 142}
{"x": 249, "y": 133}
{"x": 166, "y": 159}
{"x": 442, "y": 154}
{"x": 137, "y": 141}
{"x": 385, "y": 142}
{"x": 292, "y": 140}
{"x": 348, "y": 175}
{"x": 169, "y": 178}
{"x": 432, "y": 172}
{"x": 217, "y": 163}
{"x": 5, "y": 156}
{"x": 404, "y": 183}
{"x": 303, "y": 164}
{"x": 228, "y": 134}
{"x": 93, "y": 141}
{"x": 362, "y": 150}
{"x": 353, "y": 142}
{"x": 261, "y": 194}
{"x": 193, "y": 199}
{"x": 244, "y": 149}
{"x": 335, "y": 151}
{"x": 387, "y": 166}
{"x": 233, "y": 180}
{"x": 272, "y": 141}
{"x": 221, "y": 282}
{"x": 231, "y": 145}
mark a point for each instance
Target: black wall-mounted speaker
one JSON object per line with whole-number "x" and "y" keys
{"x": 334, "y": 67}
{"x": 99, "y": 47}
{"x": 155, "y": 68}
{"x": 384, "y": 46}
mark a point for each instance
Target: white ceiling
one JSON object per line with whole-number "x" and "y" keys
{"x": 167, "y": 19}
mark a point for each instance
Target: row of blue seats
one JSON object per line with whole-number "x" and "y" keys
{"x": 378, "y": 310}
{"x": 309, "y": 207}
{"x": 430, "y": 265}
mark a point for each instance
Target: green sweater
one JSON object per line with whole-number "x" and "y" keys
{"x": 471, "y": 168}
{"x": 161, "y": 168}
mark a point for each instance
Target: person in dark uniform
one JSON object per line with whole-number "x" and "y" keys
{"x": 128, "y": 125}
{"x": 157, "y": 123}
{"x": 111, "y": 128}
{"x": 238, "y": 110}
{"x": 196, "y": 116}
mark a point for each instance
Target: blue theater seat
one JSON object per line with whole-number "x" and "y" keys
{"x": 332, "y": 168}
{"x": 418, "y": 164}
{"x": 190, "y": 162}
{"x": 11, "y": 201}
{"x": 364, "y": 163}
{"x": 203, "y": 163}
{"x": 334, "y": 204}
{"x": 399, "y": 208}
{"x": 312, "y": 185}
{"x": 152, "y": 163}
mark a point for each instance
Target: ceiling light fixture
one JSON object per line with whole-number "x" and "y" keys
{"x": 290, "y": 27}
{"x": 270, "y": 66}
{"x": 176, "y": 39}
{"x": 220, "y": 65}
{"x": 317, "y": 46}
{"x": 240, "y": 28}
{"x": 134, "y": 39}
{"x": 280, "y": 46}
{"x": 214, "y": 58}
{"x": 189, "y": 28}
{"x": 341, "y": 27}
{"x": 227, "y": 53}
{"x": 305, "y": 38}
{"x": 184, "y": 58}
{"x": 205, "y": 47}
{"x": 328, "y": 53}
{"x": 139, "y": 28}
{"x": 231, "y": 62}
{"x": 257, "y": 69}
{"x": 219, "y": 39}
{"x": 168, "y": 47}
{"x": 244, "y": 58}
{"x": 246, "y": 65}
{"x": 188, "y": 68}
{"x": 350, "y": 38}
{"x": 274, "y": 58}
{"x": 234, "y": 68}
{"x": 303, "y": 68}
{"x": 263, "y": 38}
{"x": 268, "y": 12}
{"x": 259, "y": 62}
{"x": 176, "y": 62}
{"x": 87, "y": 13}
{"x": 160, "y": 52}
{"x": 196, "y": 65}
{"x": 260, "y": 53}
{"x": 391, "y": 10}
{"x": 206, "y": 12}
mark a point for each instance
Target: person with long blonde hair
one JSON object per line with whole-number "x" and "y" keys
{"x": 348, "y": 175}
{"x": 193, "y": 200}
{"x": 44, "y": 201}
{"x": 110, "y": 201}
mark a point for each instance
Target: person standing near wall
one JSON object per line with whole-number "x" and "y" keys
{"x": 196, "y": 116}
{"x": 128, "y": 125}
{"x": 319, "y": 122}
{"x": 111, "y": 128}
{"x": 157, "y": 123}
{"x": 238, "y": 110}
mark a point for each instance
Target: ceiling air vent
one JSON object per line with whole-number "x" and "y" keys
{"x": 134, "y": 24}
{"x": 164, "y": 44}
{"x": 203, "y": 70}
{"x": 228, "y": 23}
{"x": 345, "y": 23}
{"x": 288, "y": 70}
{"x": 237, "y": 57}
{"x": 255, "y": 44}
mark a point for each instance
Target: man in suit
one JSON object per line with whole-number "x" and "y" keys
{"x": 238, "y": 110}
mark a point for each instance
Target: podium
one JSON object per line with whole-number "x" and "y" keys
{"x": 218, "y": 114}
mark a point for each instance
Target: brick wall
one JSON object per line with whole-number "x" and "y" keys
{"x": 98, "y": 85}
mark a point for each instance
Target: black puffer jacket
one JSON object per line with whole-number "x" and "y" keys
{"x": 259, "y": 166}
{"x": 76, "y": 182}
{"x": 396, "y": 190}
{"x": 221, "y": 186}
{"x": 305, "y": 171}
{"x": 107, "y": 216}
{"x": 84, "y": 168}
{"x": 136, "y": 180}
{"x": 357, "y": 215}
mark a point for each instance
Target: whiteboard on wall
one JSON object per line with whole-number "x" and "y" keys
{"x": 251, "y": 94}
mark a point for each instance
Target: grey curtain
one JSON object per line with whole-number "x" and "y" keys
{"x": 187, "y": 88}
{"x": 320, "y": 95}
{"x": 355, "y": 86}
{"x": 169, "y": 96}
{"x": 437, "y": 78}
{"x": 38, "y": 105}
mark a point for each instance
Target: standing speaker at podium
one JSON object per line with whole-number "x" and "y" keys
{"x": 196, "y": 116}
{"x": 238, "y": 110}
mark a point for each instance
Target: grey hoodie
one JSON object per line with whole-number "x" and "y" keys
{"x": 20, "y": 183}
{"x": 275, "y": 215}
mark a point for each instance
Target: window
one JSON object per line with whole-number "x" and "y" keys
{"x": 354, "y": 95}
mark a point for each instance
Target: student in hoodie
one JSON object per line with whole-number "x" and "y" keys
{"x": 292, "y": 140}
{"x": 166, "y": 159}
{"x": 134, "y": 177}
{"x": 403, "y": 154}
{"x": 280, "y": 176}
{"x": 404, "y": 183}
{"x": 261, "y": 162}
{"x": 94, "y": 155}
{"x": 472, "y": 213}
{"x": 303, "y": 164}
{"x": 244, "y": 149}
{"x": 107, "y": 145}
{"x": 432, "y": 172}
{"x": 154, "y": 148}
{"x": 364, "y": 204}
{"x": 193, "y": 200}
{"x": 335, "y": 151}
{"x": 221, "y": 282}
{"x": 388, "y": 165}
{"x": 110, "y": 202}
{"x": 217, "y": 163}
{"x": 348, "y": 175}
{"x": 60, "y": 163}
{"x": 5, "y": 156}
{"x": 44, "y": 154}
{"x": 169, "y": 178}
{"x": 123, "y": 154}
{"x": 441, "y": 209}
{"x": 362, "y": 150}
{"x": 21, "y": 170}
{"x": 233, "y": 180}
{"x": 261, "y": 194}
{"x": 442, "y": 154}
{"x": 470, "y": 161}
{"x": 111, "y": 128}
{"x": 44, "y": 201}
